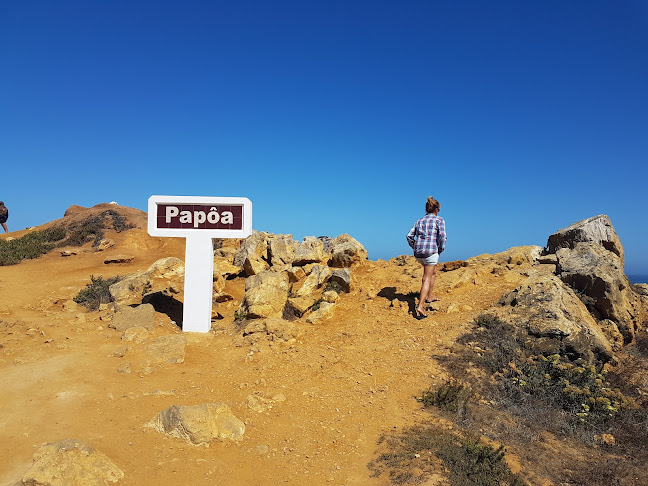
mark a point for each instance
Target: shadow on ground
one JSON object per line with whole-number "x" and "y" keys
{"x": 390, "y": 294}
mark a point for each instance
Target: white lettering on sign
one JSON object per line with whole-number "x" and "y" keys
{"x": 198, "y": 217}
{"x": 171, "y": 211}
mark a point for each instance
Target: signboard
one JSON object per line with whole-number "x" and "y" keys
{"x": 199, "y": 219}
{"x": 186, "y": 216}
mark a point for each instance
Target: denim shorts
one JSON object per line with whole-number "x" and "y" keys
{"x": 431, "y": 260}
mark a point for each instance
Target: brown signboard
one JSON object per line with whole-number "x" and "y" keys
{"x": 200, "y": 216}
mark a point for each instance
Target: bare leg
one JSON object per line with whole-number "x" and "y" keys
{"x": 429, "y": 276}
{"x": 430, "y": 295}
{"x": 4, "y": 226}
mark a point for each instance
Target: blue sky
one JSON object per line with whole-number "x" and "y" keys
{"x": 334, "y": 116}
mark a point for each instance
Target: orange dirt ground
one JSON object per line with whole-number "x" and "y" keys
{"x": 346, "y": 380}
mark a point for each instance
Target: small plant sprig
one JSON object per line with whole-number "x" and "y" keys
{"x": 95, "y": 293}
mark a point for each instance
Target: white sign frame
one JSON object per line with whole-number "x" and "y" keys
{"x": 199, "y": 254}
{"x": 153, "y": 230}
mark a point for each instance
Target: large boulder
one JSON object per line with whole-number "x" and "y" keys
{"x": 597, "y": 276}
{"x": 281, "y": 250}
{"x": 590, "y": 259}
{"x": 341, "y": 277}
{"x": 253, "y": 253}
{"x": 265, "y": 295}
{"x": 597, "y": 229}
{"x": 126, "y": 317}
{"x": 318, "y": 276}
{"x": 199, "y": 424}
{"x": 71, "y": 462}
{"x": 324, "y": 311}
{"x": 346, "y": 251}
{"x": 553, "y": 320}
{"x": 165, "y": 275}
{"x": 310, "y": 250}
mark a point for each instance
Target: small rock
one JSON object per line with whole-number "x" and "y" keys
{"x": 199, "y": 424}
{"x": 137, "y": 334}
{"x": 71, "y": 462}
{"x": 124, "y": 368}
{"x": 118, "y": 259}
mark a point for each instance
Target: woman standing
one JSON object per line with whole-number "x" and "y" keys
{"x": 4, "y": 215}
{"x": 428, "y": 238}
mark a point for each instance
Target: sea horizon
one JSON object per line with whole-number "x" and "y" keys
{"x": 636, "y": 278}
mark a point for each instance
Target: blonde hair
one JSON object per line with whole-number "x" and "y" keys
{"x": 432, "y": 205}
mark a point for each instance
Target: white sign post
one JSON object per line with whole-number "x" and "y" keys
{"x": 198, "y": 220}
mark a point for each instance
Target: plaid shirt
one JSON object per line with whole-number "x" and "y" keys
{"x": 427, "y": 236}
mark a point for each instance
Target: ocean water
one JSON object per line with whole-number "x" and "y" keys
{"x": 638, "y": 278}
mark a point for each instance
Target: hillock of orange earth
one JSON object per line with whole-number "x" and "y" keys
{"x": 315, "y": 370}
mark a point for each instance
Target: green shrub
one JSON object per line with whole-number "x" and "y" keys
{"x": 410, "y": 458}
{"x": 37, "y": 243}
{"x": 501, "y": 342}
{"x": 32, "y": 245}
{"x": 335, "y": 286}
{"x": 96, "y": 292}
{"x": 578, "y": 388}
{"x": 451, "y": 396}
{"x": 92, "y": 228}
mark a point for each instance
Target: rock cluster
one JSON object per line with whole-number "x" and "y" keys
{"x": 287, "y": 278}
{"x": 584, "y": 306}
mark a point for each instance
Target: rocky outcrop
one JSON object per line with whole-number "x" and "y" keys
{"x": 341, "y": 277}
{"x": 318, "y": 276}
{"x": 590, "y": 259}
{"x": 597, "y": 229}
{"x": 346, "y": 251}
{"x": 553, "y": 320}
{"x": 310, "y": 250}
{"x": 71, "y": 462}
{"x": 265, "y": 295}
{"x": 252, "y": 256}
{"x": 597, "y": 276}
{"x": 165, "y": 275}
{"x": 199, "y": 424}
{"x": 281, "y": 250}
{"x": 298, "y": 306}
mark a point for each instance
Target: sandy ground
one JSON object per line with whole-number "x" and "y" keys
{"x": 346, "y": 381}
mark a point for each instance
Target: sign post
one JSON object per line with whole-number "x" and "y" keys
{"x": 198, "y": 220}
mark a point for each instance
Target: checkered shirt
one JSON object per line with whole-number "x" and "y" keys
{"x": 427, "y": 236}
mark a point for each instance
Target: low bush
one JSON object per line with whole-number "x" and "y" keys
{"x": 335, "y": 286}
{"x": 96, "y": 292}
{"x": 500, "y": 342}
{"x": 92, "y": 228}
{"x": 578, "y": 388}
{"x": 37, "y": 243}
{"x": 452, "y": 396}
{"x": 30, "y": 246}
{"x": 415, "y": 454}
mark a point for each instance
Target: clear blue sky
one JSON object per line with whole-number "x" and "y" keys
{"x": 334, "y": 116}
